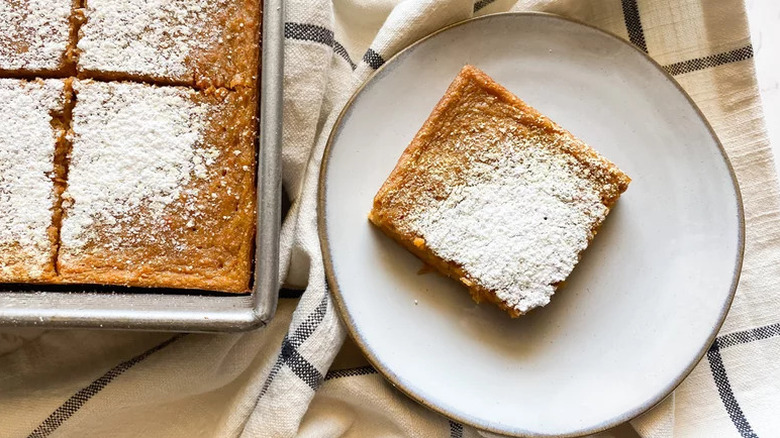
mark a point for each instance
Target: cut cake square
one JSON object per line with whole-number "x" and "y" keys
{"x": 35, "y": 37}
{"x": 30, "y": 135}
{"x": 199, "y": 43}
{"x": 497, "y": 196}
{"x": 160, "y": 187}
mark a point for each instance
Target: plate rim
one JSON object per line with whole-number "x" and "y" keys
{"x": 465, "y": 419}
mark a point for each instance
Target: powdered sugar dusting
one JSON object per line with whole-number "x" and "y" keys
{"x": 148, "y": 37}
{"x": 135, "y": 150}
{"x": 34, "y": 34}
{"x": 518, "y": 222}
{"x": 27, "y": 145}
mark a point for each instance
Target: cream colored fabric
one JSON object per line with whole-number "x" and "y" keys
{"x": 97, "y": 384}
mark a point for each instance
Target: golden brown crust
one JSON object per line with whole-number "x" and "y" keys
{"x": 70, "y": 66}
{"x": 436, "y": 160}
{"x": 60, "y": 122}
{"x": 234, "y": 64}
{"x": 218, "y": 246}
{"x": 230, "y": 62}
{"x": 20, "y": 270}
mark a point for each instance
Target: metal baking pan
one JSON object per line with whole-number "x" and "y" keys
{"x": 183, "y": 310}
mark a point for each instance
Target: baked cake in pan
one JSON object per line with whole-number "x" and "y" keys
{"x": 497, "y": 196}
{"x": 30, "y": 134}
{"x": 201, "y": 43}
{"x": 160, "y": 188}
{"x": 141, "y": 172}
{"x": 35, "y": 37}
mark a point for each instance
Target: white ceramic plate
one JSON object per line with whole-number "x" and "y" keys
{"x": 639, "y": 310}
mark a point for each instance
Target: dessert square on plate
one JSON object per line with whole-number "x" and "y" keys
{"x": 496, "y": 195}
{"x": 160, "y": 187}
{"x": 182, "y": 42}
{"x": 35, "y": 36}
{"x": 30, "y": 135}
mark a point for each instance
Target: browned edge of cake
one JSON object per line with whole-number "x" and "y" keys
{"x": 61, "y": 123}
{"x": 76, "y": 20}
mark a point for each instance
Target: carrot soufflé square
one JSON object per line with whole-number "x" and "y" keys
{"x": 200, "y": 43}
{"x": 35, "y": 36}
{"x": 160, "y": 188}
{"x": 497, "y": 196}
{"x": 29, "y": 137}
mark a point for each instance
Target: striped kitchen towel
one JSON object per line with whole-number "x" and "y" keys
{"x": 275, "y": 381}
